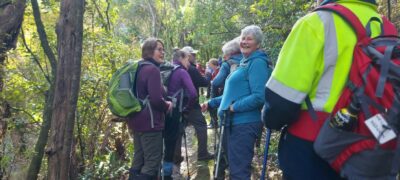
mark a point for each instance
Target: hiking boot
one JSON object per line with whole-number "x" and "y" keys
{"x": 206, "y": 157}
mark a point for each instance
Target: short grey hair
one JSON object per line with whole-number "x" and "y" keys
{"x": 255, "y": 31}
{"x": 231, "y": 47}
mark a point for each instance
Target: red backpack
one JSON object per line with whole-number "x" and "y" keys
{"x": 374, "y": 82}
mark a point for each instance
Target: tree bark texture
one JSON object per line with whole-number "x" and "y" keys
{"x": 11, "y": 16}
{"x": 69, "y": 44}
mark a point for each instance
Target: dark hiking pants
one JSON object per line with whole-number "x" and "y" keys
{"x": 196, "y": 118}
{"x": 298, "y": 160}
{"x": 241, "y": 142}
{"x": 147, "y": 152}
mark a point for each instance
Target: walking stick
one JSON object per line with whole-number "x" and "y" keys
{"x": 221, "y": 136}
{"x": 214, "y": 119}
{"x": 162, "y": 158}
{"x": 183, "y": 121}
{"x": 186, "y": 152}
{"x": 265, "y": 154}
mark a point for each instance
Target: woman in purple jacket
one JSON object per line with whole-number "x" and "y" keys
{"x": 148, "y": 124}
{"x": 180, "y": 83}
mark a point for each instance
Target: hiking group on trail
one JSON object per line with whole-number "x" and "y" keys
{"x": 334, "y": 95}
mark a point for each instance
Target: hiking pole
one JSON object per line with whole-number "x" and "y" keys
{"x": 162, "y": 158}
{"x": 221, "y": 137}
{"x": 214, "y": 119}
{"x": 267, "y": 139}
{"x": 186, "y": 152}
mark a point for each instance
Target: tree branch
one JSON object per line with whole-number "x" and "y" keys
{"x": 100, "y": 15}
{"x": 107, "y": 14}
{"x": 25, "y": 112}
{"x": 43, "y": 38}
{"x": 35, "y": 58}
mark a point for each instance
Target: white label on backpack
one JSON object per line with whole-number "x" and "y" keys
{"x": 380, "y": 129}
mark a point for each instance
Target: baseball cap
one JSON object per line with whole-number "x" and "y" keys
{"x": 189, "y": 49}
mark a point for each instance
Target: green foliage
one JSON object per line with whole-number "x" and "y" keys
{"x": 276, "y": 17}
{"x": 113, "y": 32}
{"x": 107, "y": 166}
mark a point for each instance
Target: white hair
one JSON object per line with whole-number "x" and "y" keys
{"x": 231, "y": 47}
{"x": 255, "y": 31}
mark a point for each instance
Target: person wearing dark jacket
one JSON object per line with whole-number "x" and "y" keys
{"x": 195, "y": 116}
{"x": 148, "y": 124}
{"x": 179, "y": 84}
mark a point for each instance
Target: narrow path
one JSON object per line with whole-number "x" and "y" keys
{"x": 203, "y": 170}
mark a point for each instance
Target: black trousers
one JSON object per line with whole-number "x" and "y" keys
{"x": 171, "y": 133}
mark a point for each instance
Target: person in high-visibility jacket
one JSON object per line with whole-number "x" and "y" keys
{"x": 314, "y": 61}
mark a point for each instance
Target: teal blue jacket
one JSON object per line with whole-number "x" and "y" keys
{"x": 244, "y": 89}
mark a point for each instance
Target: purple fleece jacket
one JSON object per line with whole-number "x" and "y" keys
{"x": 148, "y": 82}
{"x": 180, "y": 79}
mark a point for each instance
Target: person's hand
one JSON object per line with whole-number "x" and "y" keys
{"x": 204, "y": 107}
{"x": 231, "y": 108}
{"x": 170, "y": 105}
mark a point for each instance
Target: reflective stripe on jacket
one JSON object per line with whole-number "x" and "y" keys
{"x": 315, "y": 61}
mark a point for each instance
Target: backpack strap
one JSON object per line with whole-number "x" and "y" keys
{"x": 347, "y": 16}
{"x": 385, "y": 62}
{"x": 146, "y": 101}
{"x": 140, "y": 64}
{"x": 311, "y": 109}
{"x": 174, "y": 67}
{"x": 179, "y": 93}
{"x": 387, "y": 27}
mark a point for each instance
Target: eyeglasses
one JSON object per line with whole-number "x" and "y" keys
{"x": 160, "y": 49}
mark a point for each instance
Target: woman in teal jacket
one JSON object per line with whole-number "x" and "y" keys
{"x": 242, "y": 101}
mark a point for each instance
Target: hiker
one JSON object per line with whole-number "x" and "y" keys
{"x": 179, "y": 84}
{"x": 147, "y": 139}
{"x": 242, "y": 101}
{"x": 314, "y": 62}
{"x": 195, "y": 116}
{"x": 231, "y": 58}
{"x": 212, "y": 92}
{"x": 202, "y": 71}
{"x": 211, "y": 72}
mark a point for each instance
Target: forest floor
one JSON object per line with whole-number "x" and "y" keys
{"x": 203, "y": 170}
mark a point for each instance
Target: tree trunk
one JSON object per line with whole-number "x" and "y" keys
{"x": 153, "y": 18}
{"x": 36, "y": 162}
{"x": 11, "y": 16}
{"x": 69, "y": 43}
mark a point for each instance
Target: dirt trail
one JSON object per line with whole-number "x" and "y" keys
{"x": 203, "y": 170}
